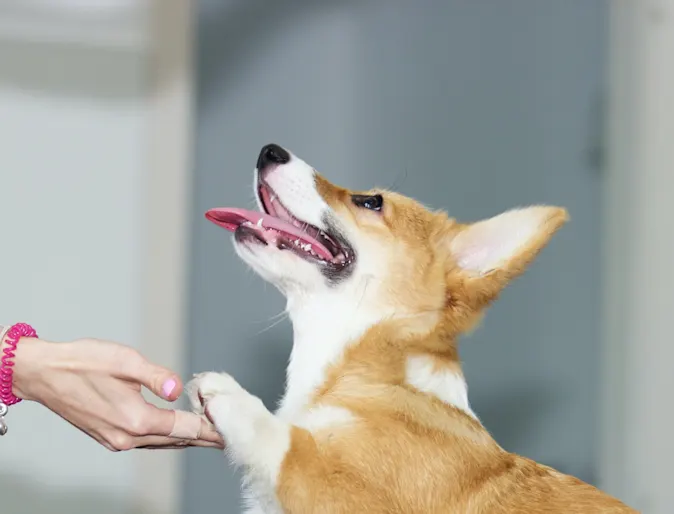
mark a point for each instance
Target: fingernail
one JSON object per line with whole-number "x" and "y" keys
{"x": 168, "y": 387}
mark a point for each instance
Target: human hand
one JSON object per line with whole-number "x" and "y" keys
{"x": 96, "y": 386}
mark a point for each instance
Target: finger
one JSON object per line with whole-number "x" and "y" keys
{"x": 208, "y": 433}
{"x": 200, "y": 443}
{"x": 179, "y": 424}
{"x": 157, "y": 442}
{"x": 157, "y": 421}
{"x": 161, "y": 381}
{"x": 186, "y": 425}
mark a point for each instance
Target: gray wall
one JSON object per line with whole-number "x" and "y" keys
{"x": 474, "y": 107}
{"x": 71, "y": 179}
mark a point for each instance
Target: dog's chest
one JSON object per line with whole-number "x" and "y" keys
{"x": 261, "y": 497}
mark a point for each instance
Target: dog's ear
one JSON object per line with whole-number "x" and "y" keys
{"x": 490, "y": 253}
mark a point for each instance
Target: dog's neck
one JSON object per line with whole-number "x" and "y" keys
{"x": 323, "y": 326}
{"x": 326, "y": 325}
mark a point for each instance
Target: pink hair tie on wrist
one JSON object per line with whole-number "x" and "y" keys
{"x": 14, "y": 334}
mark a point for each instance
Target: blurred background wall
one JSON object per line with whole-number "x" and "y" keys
{"x": 108, "y": 160}
{"x": 91, "y": 103}
{"x": 71, "y": 162}
{"x": 636, "y": 449}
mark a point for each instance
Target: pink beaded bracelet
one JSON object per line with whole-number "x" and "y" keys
{"x": 15, "y": 333}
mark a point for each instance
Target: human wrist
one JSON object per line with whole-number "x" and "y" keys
{"x": 34, "y": 364}
{"x": 23, "y": 358}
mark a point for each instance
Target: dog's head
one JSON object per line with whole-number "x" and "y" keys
{"x": 377, "y": 248}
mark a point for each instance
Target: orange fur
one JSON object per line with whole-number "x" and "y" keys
{"x": 407, "y": 451}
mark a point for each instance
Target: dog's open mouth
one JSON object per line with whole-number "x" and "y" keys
{"x": 278, "y": 227}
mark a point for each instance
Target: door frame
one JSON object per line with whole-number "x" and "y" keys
{"x": 165, "y": 247}
{"x": 637, "y": 351}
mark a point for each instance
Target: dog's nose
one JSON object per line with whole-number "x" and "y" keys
{"x": 272, "y": 154}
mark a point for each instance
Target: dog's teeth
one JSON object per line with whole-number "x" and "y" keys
{"x": 259, "y": 223}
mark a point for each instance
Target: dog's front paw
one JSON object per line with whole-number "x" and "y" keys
{"x": 241, "y": 418}
{"x": 222, "y": 400}
{"x": 192, "y": 392}
{"x": 205, "y": 386}
{"x": 254, "y": 437}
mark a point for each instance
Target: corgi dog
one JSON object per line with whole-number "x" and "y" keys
{"x": 375, "y": 417}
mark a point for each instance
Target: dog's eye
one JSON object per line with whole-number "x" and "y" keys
{"x": 374, "y": 203}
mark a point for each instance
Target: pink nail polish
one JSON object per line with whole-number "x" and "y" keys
{"x": 168, "y": 387}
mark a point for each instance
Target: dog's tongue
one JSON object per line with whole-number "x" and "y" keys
{"x": 232, "y": 218}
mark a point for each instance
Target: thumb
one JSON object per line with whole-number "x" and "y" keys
{"x": 161, "y": 381}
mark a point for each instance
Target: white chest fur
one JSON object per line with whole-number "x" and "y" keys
{"x": 324, "y": 326}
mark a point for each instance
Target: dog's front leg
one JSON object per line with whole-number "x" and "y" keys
{"x": 254, "y": 437}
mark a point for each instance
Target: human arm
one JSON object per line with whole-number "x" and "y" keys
{"x": 96, "y": 386}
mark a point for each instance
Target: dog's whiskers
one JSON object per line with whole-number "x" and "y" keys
{"x": 283, "y": 315}
{"x": 274, "y": 317}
